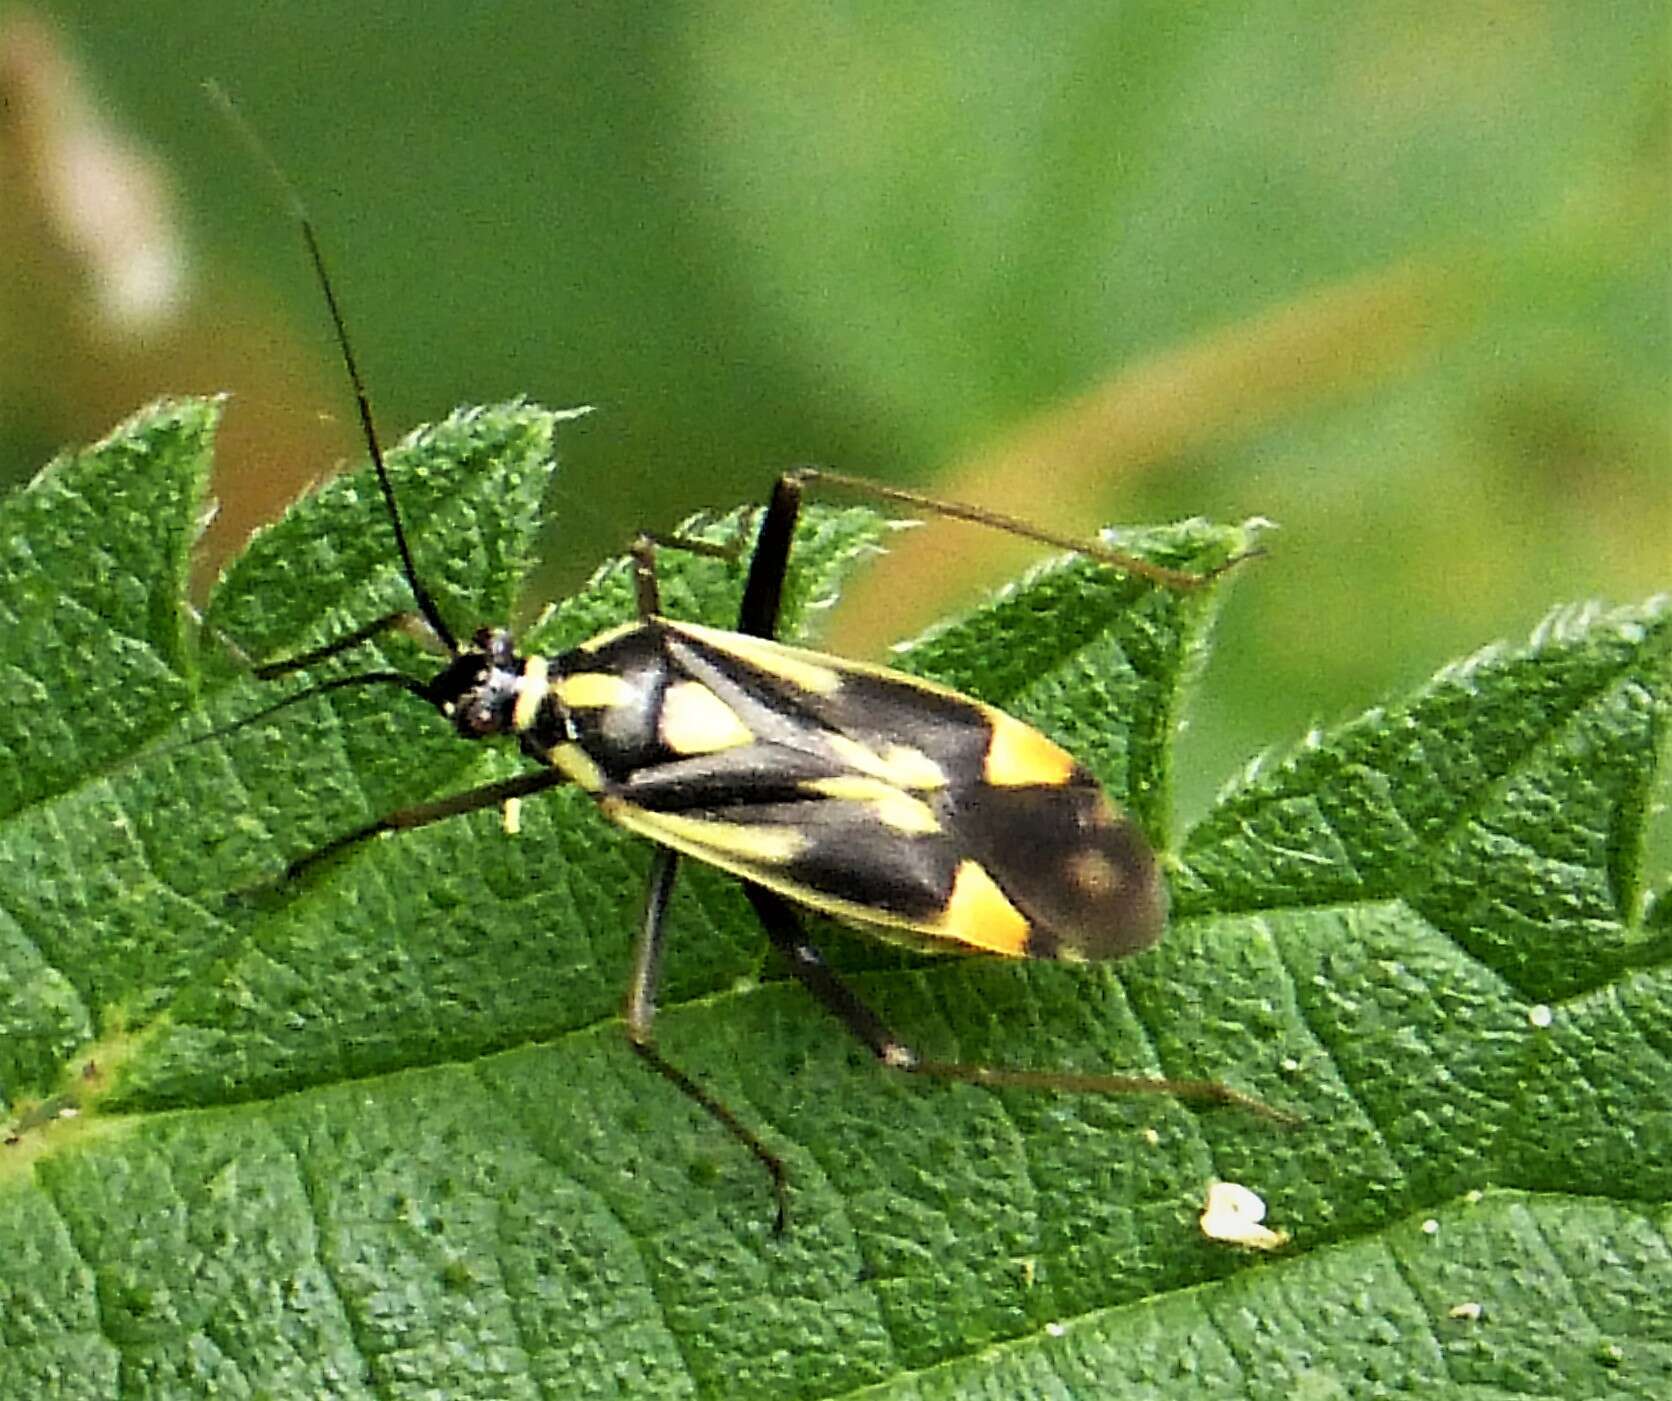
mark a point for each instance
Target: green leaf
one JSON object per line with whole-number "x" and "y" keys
{"x": 93, "y": 650}
{"x": 378, "y": 1132}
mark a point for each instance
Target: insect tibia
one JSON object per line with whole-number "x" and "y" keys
{"x": 1075, "y": 1082}
{"x": 1241, "y": 557}
{"x": 488, "y": 795}
{"x": 1183, "y": 579}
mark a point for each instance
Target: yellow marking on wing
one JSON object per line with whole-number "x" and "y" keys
{"x": 531, "y": 690}
{"x": 594, "y": 690}
{"x": 892, "y": 807}
{"x": 980, "y": 915}
{"x": 575, "y": 764}
{"x": 694, "y": 838}
{"x": 727, "y": 844}
{"x": 696, "y": 721}
{"x": 900, "y": 765}
{"x": 860, "y": 757}
{"x": 910, "y": 767}
{"x": 810, "y": 671}
{"x": 1018, "y": 756}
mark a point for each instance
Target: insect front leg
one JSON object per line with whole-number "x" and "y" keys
{"x": 422, "y": 814}
{"x": 641, "y": 1034}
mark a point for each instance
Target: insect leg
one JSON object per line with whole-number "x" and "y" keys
{"x": 769, "y": 565}
{"x": 649, "y": 596}
{"x": 783, "y": 927}
{"x": 763, "y": 592}
{"x": 643, "y": 553}
{"x": 641, "y": 1034}
{"x": 422, "y": 814}
{"x": 797, "y": 480}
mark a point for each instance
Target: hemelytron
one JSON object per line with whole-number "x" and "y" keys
{"x": 822, "y": 784}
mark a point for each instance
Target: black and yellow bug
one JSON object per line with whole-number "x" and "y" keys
{"x": 848, "y": 789}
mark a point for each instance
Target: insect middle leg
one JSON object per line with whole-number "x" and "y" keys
{"x": 641, "y": 1035}
{"x": 664, "y": 869}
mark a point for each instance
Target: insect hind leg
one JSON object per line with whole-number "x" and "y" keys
{"x": 763, "y": 592}
{"x": 784, "y": 928}
{"x": 797, "y": 481}
{"x": 769, "y": 565}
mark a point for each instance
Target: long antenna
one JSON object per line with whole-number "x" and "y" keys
{"x": 299, "y": 211}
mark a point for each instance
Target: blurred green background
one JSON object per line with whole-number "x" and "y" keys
{"x": 1395, "y": 275}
